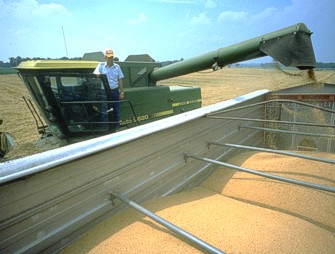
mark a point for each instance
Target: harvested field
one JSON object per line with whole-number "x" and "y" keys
{"x": 216, "y": 86}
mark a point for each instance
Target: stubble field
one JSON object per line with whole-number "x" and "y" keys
{"x": 216, "y": 86}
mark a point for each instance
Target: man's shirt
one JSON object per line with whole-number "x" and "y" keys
{"x": 114, "y": 73}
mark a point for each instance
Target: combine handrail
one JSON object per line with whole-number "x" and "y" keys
{"x": 185, "y": 235}
{"x": 254, "y": 172}
{"x": 101, "y": 102}
{"x": 274, "y": 151}
{"x": 35, "y": 115}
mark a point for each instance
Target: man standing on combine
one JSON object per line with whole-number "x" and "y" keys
{"x": 114, "y": 76}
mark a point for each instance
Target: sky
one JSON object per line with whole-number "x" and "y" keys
{"x": 164, "y": 29}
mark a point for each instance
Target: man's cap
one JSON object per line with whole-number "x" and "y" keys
{"x": 109, "y": 53}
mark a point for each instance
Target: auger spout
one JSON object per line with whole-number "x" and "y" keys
{"x": 291, "y": 46}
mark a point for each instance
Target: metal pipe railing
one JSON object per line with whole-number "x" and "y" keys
{"x": 250, "y": 171}
{"x": 185, "y": 235}
{"x": 270, "y": 121}
{"x": 288, "y": 132}
{"x": 259, "y": 149}
{"x": 271, "y": 101}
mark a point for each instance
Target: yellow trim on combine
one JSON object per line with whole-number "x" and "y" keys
{"x": 183, "y": 103}
{"x": 56, "y": 64}
{"x": 163, "y": 113}
{"x": 146, "y": 117}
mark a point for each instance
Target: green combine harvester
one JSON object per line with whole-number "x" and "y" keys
{"x": 69, "y": 96}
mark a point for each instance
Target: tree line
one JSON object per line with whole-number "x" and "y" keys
{"x": 15, "y": 61}
{"x": 325, "y": 65}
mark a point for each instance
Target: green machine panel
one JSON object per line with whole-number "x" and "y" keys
{"x": 185, "y": 98}
{"x": 148, "y": 103}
